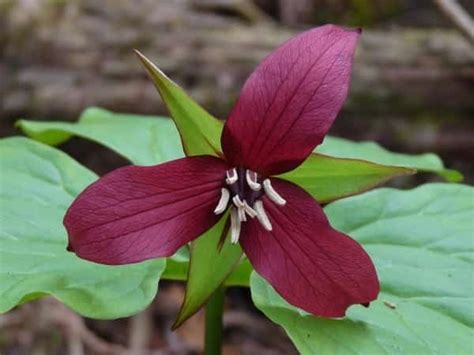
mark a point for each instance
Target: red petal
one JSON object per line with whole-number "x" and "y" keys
{"x": 137, "y": 213}
{"x": 313, "y": 266}
{"x": 290, "y": 101}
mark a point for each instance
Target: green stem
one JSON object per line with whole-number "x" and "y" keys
{"x": 214, "y": 311}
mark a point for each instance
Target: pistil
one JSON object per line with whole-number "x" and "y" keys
{"x": 232, "y": 176}
{"x": 251, "y": 178}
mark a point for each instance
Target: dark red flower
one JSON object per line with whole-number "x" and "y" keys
{"x": 284, "y": 111}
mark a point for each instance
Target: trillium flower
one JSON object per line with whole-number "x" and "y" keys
{"x": 284, "y": 111}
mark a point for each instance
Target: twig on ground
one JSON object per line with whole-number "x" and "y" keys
{"x": 76, "y": 329}
{"x": 245, "y": 8}
{"x": 458, "y": 16}
{"x": 49, "y": 313}
{"x": 141, "y": 329}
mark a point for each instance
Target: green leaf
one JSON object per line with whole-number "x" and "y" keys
{"x": 343, "y": 148}
{"x": 177, "y": 270}
{"x": 144, "y": 140}
{"x": 152, "y": 139}
{"x": 241, "y": 275}
{"x": 422, "y": 244}
{"x": 207, "y": 271}
{"x": 38, "y": 183}
{"x": 328, "y": 178}
{"x": 200, "y": 132}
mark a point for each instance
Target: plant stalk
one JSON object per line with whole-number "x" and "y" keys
{"x": 214, "y": 312}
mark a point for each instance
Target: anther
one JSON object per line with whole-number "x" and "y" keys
{"x": 234, "y": 226}
{"x": 242, "y": 216}
{"x": 249, "y": 210}
{"x": 272, "y": 194}
{"x": 232, "y": 176}
{"x": 222, "y": 204}
{"x": 262, "y": 215}
{"x": 237, "y": 201}
{"x": 251, "y": 178}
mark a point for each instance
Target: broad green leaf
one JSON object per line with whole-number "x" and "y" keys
{"x": 37, "y": 184}
{"x": 328, "y": 178}
{"x": 422, "y": 243}
{"x": 176, "y": 270}
{"x": 205, "y": 271}
{"x": 200, "y": 132}
{"x": 144, "y": 140}
{"x": 344, "y": 148}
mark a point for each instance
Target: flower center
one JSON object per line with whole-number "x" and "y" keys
{"x": 245, "y": 193}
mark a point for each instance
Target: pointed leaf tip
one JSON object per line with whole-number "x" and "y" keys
{"x": 152, "y": 69}
{"x": 205, "y": 277}
{"x": 200, "y": 132}
{"x": 329, "y": 178}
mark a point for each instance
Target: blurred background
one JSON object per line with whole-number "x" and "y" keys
{"x": 412, "y": 91}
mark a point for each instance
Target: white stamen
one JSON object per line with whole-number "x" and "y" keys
{"x": 222, "y": 204}
{"x": 232, "y": 177}
{"x": 237, "y": 201}
{"x": 272, "y": 194}
{"x": 234, "y": 226}
{"x": 262, "y": 215}
{"x": 242, "y": 216}
{"x": 249, "y": 210}
{"x": 251, "y": 178}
